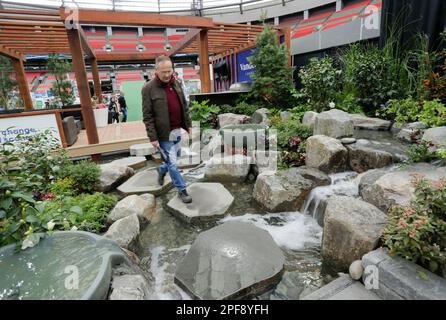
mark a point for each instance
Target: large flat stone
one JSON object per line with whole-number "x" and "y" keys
{"x": 334, "y": 123}
{"x": 210, "y": 202}
{"x": 342, "y": 288}
{"x": 399, "y": 278}
{"x": 363, "y": 158}
{"x": 132, "y": 162}
{"x": 112, "y": 175}
{"x": 326, "y": 154}
{"x": 129, "y": 287}
{"x": 437, "y": 136}
{"x": 142, "y": 149}
{"x": 362, "y": 122}
{"x": 227, "y": 168}
{"x": 145, "y": 182}
{"x": 233, "y": 260}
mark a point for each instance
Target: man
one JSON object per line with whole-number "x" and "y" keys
{"x": 122, "y": 106}
{"x": 165, "y": 112}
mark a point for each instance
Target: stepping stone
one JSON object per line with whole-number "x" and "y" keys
{"x": 210, "y": 202}
{"x": 145, "y": 181}
{"x": 141, "y": 150}
{"x": 232, "y": 260}
{"x": 132, "y": 162}
{"x": 112, "y": 175}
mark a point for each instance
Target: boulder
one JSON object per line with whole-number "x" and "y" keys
{"x": 210, "y": 202}
{"x": 124, "y": 231}
{"x": 266, "y": 160}
{"x": 261, "y": 116}
{"x": 129, "y": 287}
{"x": 395, "y": 188}
{"x": 409, "y": 135}
{"x": 142, "y": 149}
{"x": 112, "y": 175}
{"x": 132, "y": 162}
{"x": 352, "y": 228}
{"x": 285, "y": 115}
{"x": 225, "y": 119}
{"x": 309, "y": 119}
{"x": 145, "y": 181}
{"x": 362, "y": 122}
{"x": 287, "y": 190}
{"x": 334, "y": 123}
{"x": 362, "y": 158}
{"x": 368, "y": 178}
{"x": 233, "y": 260}
{"x": 227, "y": 168}
{"x": 144, "y": 206}
{"x": 326, "y": 154}
{"x": 436, "y": 136}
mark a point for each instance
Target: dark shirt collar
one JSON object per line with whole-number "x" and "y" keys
{"x": 164, "y": 84}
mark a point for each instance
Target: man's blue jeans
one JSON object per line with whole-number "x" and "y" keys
{"x": 171, "y": 151}
{"x": 124, "y": 114}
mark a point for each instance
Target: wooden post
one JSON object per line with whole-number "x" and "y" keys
{"x": 204, "y": 62}
{"x": 96, "y": 79}
{"x": 82, "y": 85}
{"x": 287, "y": 34}
{"x": 22, "y": 83}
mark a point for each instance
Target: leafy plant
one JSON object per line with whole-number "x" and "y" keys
{"x": 64, "y": 187}
{"x": 403, "y": 111}
{"x": 6, "y": 83}
{"x": 433, "y": 113}
{"x": 86, "y": 212}
{"x": 299, "y": 111}
{"x": 273, "y": 77}
{"x": 62, "y": 88}
{"x": 206, "y": 114}
{"x": 84, "y": 175}
{"x": 349, "y": 103}
{"x": 321, "y": 82}
{"x": 421, "y": 152}
{"x": 418, "y": 232}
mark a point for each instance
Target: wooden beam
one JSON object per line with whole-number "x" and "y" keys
{"x": 287, "y": 34}
{"x": 10, "y": 53}
{"x": 185, "y": 41}
{"x": 138, "y": 19}
{"x": 127, "y": 56}
{"x": 204, "y": 62}
{"x": 22, "y": 83}
{"x": 96, "y": 79}
{"x": 32, "y": 12}
{"x": 82, "y": 85}
{"x": 85, "y": 44}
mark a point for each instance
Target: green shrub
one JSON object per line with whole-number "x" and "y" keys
{"x": 321, "y": 82}
{"x": 433, "y": 113}
{"x": 64, "y": 187}
{"x": 241, "y": 107}
{"x": 85, "y": 175}
{"x": 402, "y": 111}
{"x": 86, "y": 212}
{"x": 421, "y": 152}
{"x": 349, "y": 103}
{"x": 299, "y": 111}
{"x": 418, "y": 232}
{"x": 291, "y": 139}
{"x": 205, "y": 114}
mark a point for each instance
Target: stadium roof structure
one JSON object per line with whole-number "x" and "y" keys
{"x": 25, "y": 32}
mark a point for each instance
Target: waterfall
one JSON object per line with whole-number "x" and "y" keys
{"x": 343, "y": 183}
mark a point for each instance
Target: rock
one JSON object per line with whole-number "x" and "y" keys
{"x": 225, "y": 119}
{"x": 363, "y": 158}
{"x": 346, "y": 141}
{"x": 436, "y": 136}
{"x": 210, "y": 202}
{"x": 362, "y": 122}
{"x": 368, "y": 178}
{"x": 409, "y": 135}
{"x": 309, "y": 119}
{"x": 227, "y": 168}
{"x": 290, "y": 287}
{"x": 395, "y": 278}
{"x": 241, "y": 86}
{"x": 334, "y": 123}
{"x": 287, "y": 190}
{"x": 261, "y": 116}
{"x": 266, "y": 160}
{"x": 356, "y": 270}
{"x": 342, "y": 288}
{"x": 415, "y": 126}
{"x": 132, "y": 162}
{"x": 112, "y": 175}
{"x": 212, "y": 143}
{"x": 285, "y": 115}
{"x": 129, "y": 287}
{"x": 143, "y": 206}
{"x": 145, "y": 181}
{"x": 229, "y": 262}
{"x": 352, "y": 228}
{"x": 395, "y": 188}
{"x": 142, "y": 149}
{"x": 326, "y": 154}
{"x": 124, "y": 231}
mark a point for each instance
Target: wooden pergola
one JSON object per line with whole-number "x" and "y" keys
{"x": 25, "y": 32}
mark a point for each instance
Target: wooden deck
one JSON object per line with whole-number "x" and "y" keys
{"x": 113, "y": 137}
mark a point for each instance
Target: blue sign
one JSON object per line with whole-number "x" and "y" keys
{"x": 244, "y": 68}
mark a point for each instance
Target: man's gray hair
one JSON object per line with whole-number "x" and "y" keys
{"x": 161, "y": 59}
